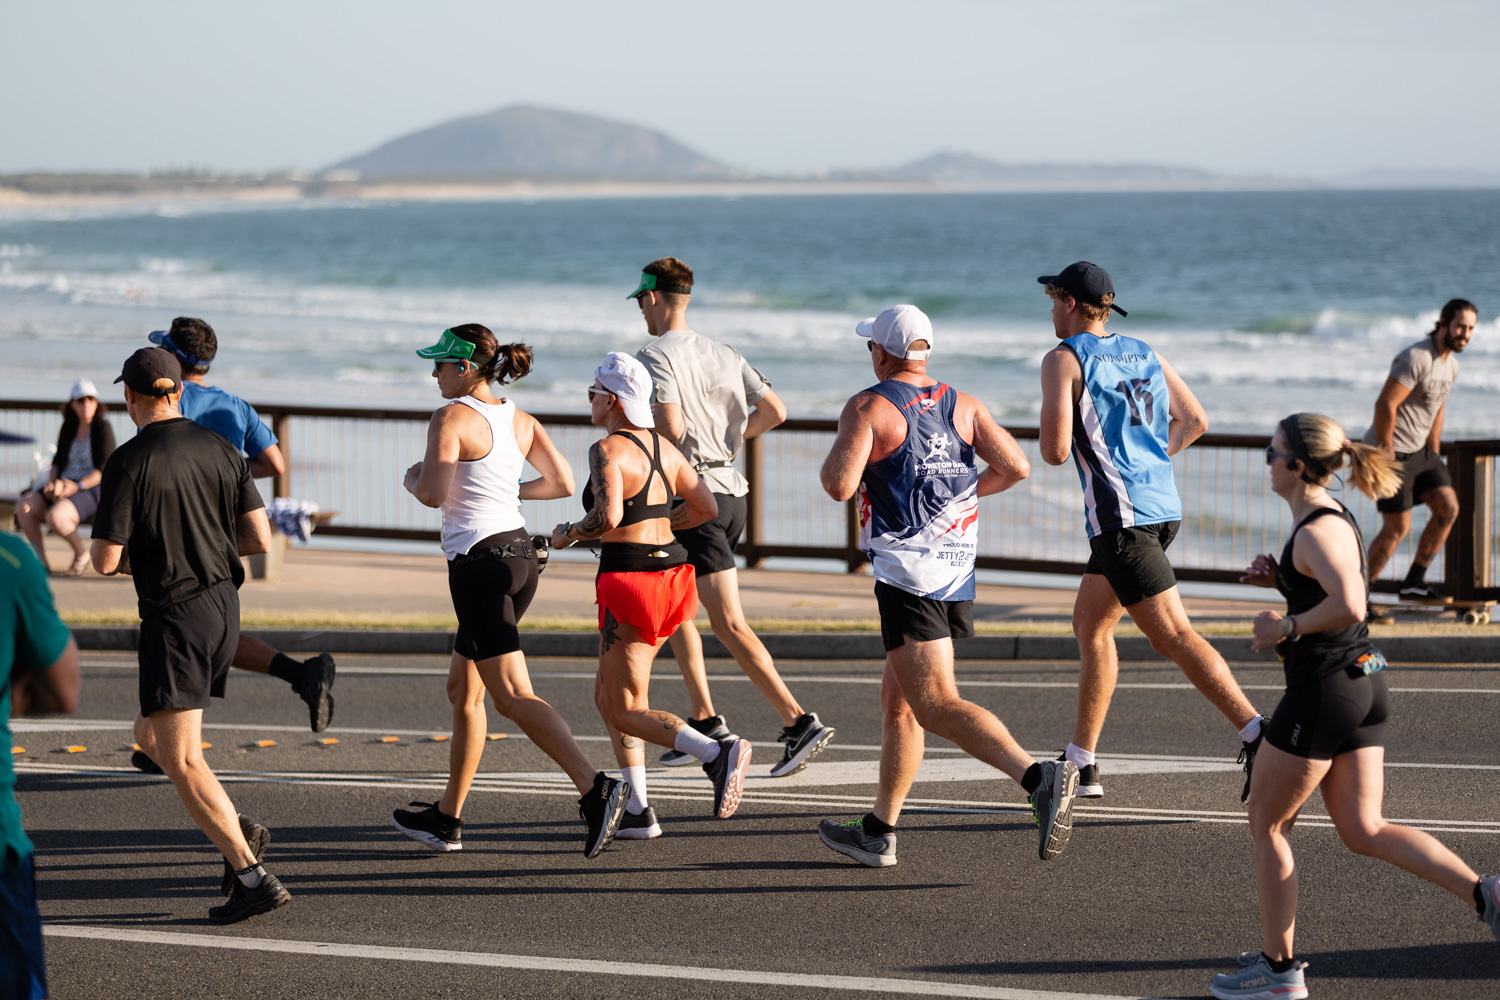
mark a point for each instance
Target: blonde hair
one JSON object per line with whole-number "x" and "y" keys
{"x": 1093, "y": 313}
{"x": 1371, "y": 471}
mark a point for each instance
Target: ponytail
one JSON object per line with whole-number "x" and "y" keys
{"x": 1371, "y": 470}
{"x": 494, "y": 362}
{"x": 1319, "y": 442}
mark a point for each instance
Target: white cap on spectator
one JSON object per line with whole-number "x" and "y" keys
{"x": 896, "y": 329}
{"x": 83, "y": 387}
{"x": 628, "y": 379}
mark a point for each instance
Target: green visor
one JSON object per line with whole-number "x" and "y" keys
{"x": 649, "y": 283}
{"x": 450, "y": 347}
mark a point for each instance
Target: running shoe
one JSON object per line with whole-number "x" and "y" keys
{"x": 244, "y": 903}
{"x": 141, "y": 762}
{"x": 258, "y": 837}
{"x": 1256, "y": 981}
{"x": 1377, "y": 615}
{"x": 804, "y": 740}
{"x": 714, "y": 727}
{"x": 600, "y": 810}
{"x": 1247, "y": 757}
{"x": 727, "y": 771}
{"x": 1489, "y": 888}
{"x": 437, "y": 830}
{"x": 1052, "y": 806}
{"x": 317, "y": 691}
{"x": 1423, "y": 593}
{"x": 1089, "y": 786}
{"x": 638, "y": 826}
{"x": 849, "y": 838}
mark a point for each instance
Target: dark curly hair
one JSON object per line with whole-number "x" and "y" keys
{"x": 499, "y": 363}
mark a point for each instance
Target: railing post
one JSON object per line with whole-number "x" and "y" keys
{"x": 755, "y": 510}
{"x": 1483, "y": 521}
{"x": 281, "y": 426}
{"x": 1458, "y": 553}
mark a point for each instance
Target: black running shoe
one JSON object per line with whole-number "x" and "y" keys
{"x": 1423, "y": 593}
{"x": 437, "y": 830}
{"x": 638, "y": 826}
{"x": 714, "y": 727}
{"x": 244, "y": 903}
{"x": 849, "y": 838}
{"x": 804, "y": 740}
{"x": 258, "y": 837}
{"x": 600, "y": 810}
{"x": 727, "y": 771}
{"x": 141, "y": 762}
{"x": 1089, "y": 785}
{"x": 1247, "y": 756}
{"x": 1052, "y": 806}
{"x": 317, "y": 691}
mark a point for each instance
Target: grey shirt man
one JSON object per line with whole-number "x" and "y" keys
{"x": 716, "y": 388}
{"x": 1429, "y": 378}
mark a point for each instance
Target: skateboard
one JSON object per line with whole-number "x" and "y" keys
{"x": 1468, "y": 612}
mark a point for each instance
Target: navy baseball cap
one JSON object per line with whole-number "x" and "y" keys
{"x": 1085, "y": 282}
{"x": 151, "y": 371}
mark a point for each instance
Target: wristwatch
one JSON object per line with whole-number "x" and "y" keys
{"x": 1287, "y": 625}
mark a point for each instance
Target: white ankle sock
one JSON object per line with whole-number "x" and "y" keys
{"x": 251, "y": 878}
{"x": 1079, "y": 756}
{"x": 695, "y": 744}
{"x": 1251, "y": 730}
{"x": 637, "y": 778}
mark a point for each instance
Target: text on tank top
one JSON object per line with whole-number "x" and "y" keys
{"x": 1303, "y": 593}
{"x": 639, "y": 507}
{"x": 485, "y": 496}
{"x": 919, "y": 506}
{"x": 1121, "y": 424}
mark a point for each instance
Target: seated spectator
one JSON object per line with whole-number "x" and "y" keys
{"x": 71, "y": 494}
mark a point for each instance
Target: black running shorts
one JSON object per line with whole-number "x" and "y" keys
{"x": 492, "y": 586}
{"x": 711, "y": 545}
{"x": 1420, "y": 471}
{"x": 904, "y": 615}
{"x": 185, "y": 651}
{"x": 1324, "y": 717}
{"x": 1134, "y": 560}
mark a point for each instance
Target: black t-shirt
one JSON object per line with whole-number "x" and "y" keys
{"x": 171, "y": 496}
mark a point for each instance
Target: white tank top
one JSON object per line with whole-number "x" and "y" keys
{"x": 485, "y": 497}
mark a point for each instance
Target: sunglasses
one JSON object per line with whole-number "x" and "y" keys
{"x": 1272, "y": 455}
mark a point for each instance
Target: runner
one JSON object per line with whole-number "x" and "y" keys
{"x": 1328, "y": 732}
{"x": 908, "y": 444}
{"x": 645, "y": 585}
{"x": 477, "y": 449}
{"x": 177, "y": 510}
{"x": 709, "y": 401}
{"x": 1409, "y": 428}
{"x": 1122, "y": 412}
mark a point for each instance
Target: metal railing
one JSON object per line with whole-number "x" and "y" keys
{"x": 351, "y": 461}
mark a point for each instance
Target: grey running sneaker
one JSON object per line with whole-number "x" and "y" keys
{"x": 258, "y": 837}
{"x": 849, "y": 838}
{"x": 1089, "y": 785}
{"x": 638, "y": 826}
{"x": 244, "y": 903}
{"x": 1256, "y": 981}
{"x": 317, "y": 691}
{"x": 1247, "y": 756}
{"x": 600, "y": 810}
{"x": 437, "y": 830}
{"x": 727, "y": 771}
{"x": 1489, "y": 888}
{"x": 714, "y": 727}
{"x": 804, "y": 740}
{"x": 1052, "y": 806}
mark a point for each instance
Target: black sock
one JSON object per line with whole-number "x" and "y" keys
{"x": 288, "y": 669}
{"x": 1032, "y": 778}
{"x": 1479, "y": 896}
{"x": 874, "y": 827}
{"x": 1284, "y": 965}
{"x": 1415, "y": 576}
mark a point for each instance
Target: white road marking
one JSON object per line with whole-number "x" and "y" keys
{"x": 538, "y": 963}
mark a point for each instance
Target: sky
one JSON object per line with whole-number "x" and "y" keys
{"x": 1315, "y": 90}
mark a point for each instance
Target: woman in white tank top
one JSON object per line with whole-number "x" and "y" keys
{"x": 477, "y": 448}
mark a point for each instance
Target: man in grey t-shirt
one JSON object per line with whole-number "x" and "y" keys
{"x": 708, "y": 400}
{"x": 1409, "y": 427}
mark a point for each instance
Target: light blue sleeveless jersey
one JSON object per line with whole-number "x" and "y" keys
{"x": 1120, "y": 435}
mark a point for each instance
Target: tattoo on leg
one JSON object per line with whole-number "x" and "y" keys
{"x": 668, "y": 721}
{"x": 609, "y": 632}
{"x": 631, "y": 743}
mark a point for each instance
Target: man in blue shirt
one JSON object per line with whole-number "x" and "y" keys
{"x": 39, "y": 670}
{"x": 195, "y": 346}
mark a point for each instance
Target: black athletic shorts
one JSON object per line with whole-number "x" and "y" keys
{"x": 711, "y": 544}
{"x": 492, "y": 586}
{"x": 1323, "y": 717}
{"x": 185, "y": 651}
{"x": 1420, "y": 471}
{"x": 1134, "y": 560}
{"x": 904, "y": 615}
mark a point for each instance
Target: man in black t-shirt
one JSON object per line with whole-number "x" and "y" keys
{"x": 177, "y": 509}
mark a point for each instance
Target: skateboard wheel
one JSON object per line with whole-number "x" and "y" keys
{"x": 1473, "y": 618}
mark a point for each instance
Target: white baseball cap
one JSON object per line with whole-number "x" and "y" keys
{"x": 896, "y": 329}
{"x": 628, "y": 379}
{"x": 83, "y": 387}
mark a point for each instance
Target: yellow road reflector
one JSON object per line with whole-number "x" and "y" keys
{"x": 135, "y": 746}
{"x": 208, "y": 746}
{"x": 74, "y": 749}
{"x": 330, "y": 741}
{"x": 498, "y": 736}
{"x": 17, "y": 749}
{"x": 390, "y": 739}
{"x": 265, "y": 743}
{"x": 436, "y": 739}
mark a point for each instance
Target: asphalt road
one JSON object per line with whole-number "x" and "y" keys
{"x": 1153, "y": 896}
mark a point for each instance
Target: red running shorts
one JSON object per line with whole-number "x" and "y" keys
{"x": 656, "y": 603}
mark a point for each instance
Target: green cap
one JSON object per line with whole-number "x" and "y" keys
{"x": 649, "y": 284}
{"x": 450, "y": 347}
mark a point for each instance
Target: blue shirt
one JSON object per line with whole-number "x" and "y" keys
{"x": 227, "y": 415}
{"x": 1120, "y": 428}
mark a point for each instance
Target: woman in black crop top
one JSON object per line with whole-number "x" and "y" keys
{"x": 1328, "y": 731}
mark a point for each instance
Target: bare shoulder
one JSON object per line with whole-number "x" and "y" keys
{"x": 1061, "y": 360}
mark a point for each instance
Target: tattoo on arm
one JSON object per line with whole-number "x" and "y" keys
{"x": 592, "y": 525}
{"x": 681, "y": 514}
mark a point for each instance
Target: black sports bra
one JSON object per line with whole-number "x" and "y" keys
{"x": 637, "y": 508}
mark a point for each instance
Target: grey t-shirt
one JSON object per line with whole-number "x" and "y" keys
{"x": 1429, "y": 378}
{"x": 715, "y": 387}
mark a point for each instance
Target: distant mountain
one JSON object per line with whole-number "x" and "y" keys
{"x": 968, "y": 170}
{"x": 538, "y": 142}
{"x": 1424, "y": 179}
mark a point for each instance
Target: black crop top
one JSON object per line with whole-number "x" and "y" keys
{"x": 1303, "y": 593}
{"x": 637, "y": 508}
